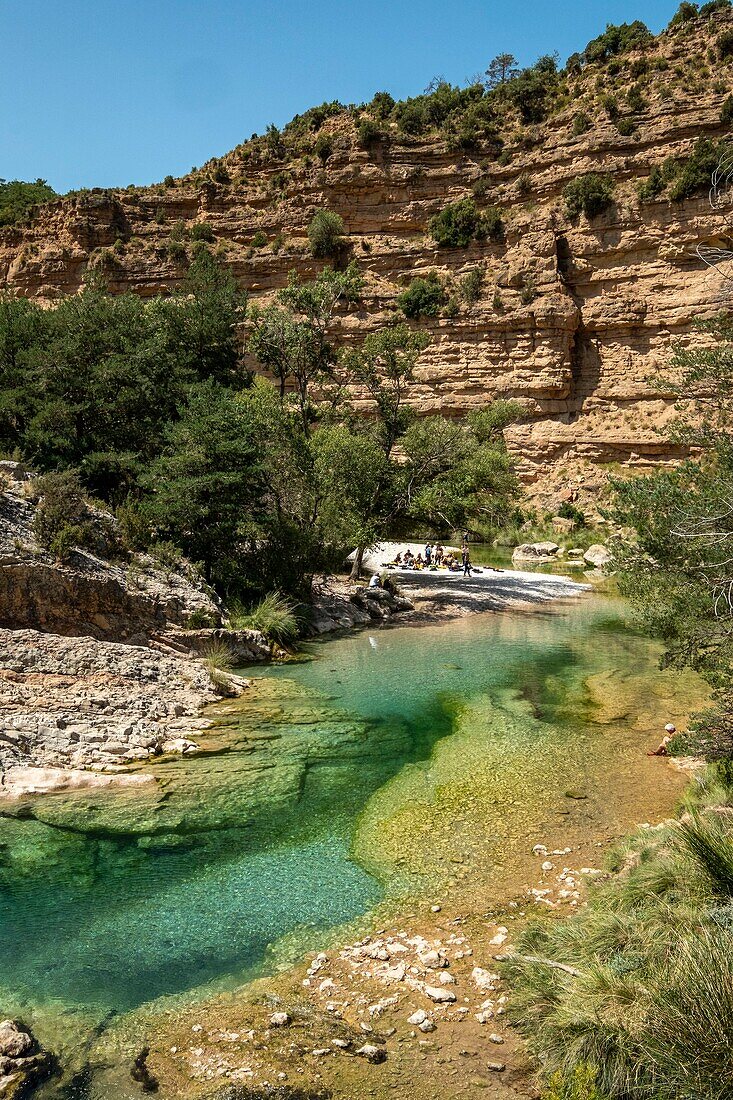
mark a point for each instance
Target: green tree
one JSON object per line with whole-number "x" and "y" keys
{"x": 206, "y": 488}
{"x": 502, "y": 68}
{"x": 678, "y": 571}
{"x": 292, "y": 338}
{"x": 18, "y": 198}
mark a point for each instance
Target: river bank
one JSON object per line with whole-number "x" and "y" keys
{"x": 342, "y": 796}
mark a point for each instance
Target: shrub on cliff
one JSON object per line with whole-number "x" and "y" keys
{"x": 17, "y": 198}
{"x": 369, "y": 133}
{"x": 64, "y": 519}
{"x": 685, "y": 12}
{"x": 618, "y": 40}
{"x": 202, "y": 231}
{"x": 590, "y": 195}
{"x": 423, "y": 297}
{"x": 694, "y": 174}
{"x": 325, "y": 234}
{"x": 461, "y": 222}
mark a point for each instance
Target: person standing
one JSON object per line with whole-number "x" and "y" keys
{"x": 428, "y": 553}
{"x": 466, "y": 557}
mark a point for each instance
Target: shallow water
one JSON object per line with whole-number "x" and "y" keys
{"x": 394, "y": 763}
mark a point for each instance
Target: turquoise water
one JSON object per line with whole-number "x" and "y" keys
{"x": 110, "y": 901}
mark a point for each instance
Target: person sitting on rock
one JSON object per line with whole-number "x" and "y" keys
{"x": 662, "y": 750}
{"x": 374, "y": 581}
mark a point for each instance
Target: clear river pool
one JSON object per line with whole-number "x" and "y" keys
{"x": 385, "y": 766}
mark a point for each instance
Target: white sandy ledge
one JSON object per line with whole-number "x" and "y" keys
{"x": 489, "y": 590}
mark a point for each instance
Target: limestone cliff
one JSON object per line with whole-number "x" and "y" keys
{"x": 574, "y": 314}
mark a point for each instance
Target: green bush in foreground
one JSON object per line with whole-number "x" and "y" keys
{"x": 639, "y": 985}
{"x": 274, "y": 616}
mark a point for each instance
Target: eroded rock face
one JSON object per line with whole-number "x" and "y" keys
{"x": 574, "y": 315}
{"x": 85, "y": 594}
{"x": 78, "y": 702}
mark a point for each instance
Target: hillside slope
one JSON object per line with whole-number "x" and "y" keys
{"x": 574, "y": 313}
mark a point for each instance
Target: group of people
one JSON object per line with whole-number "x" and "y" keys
{"x": 434, "y": 557}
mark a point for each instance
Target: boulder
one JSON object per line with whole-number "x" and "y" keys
{"x": 15, "y": 1041}
{"x": 597, "y": 555}
{"x": 537, "y": 552}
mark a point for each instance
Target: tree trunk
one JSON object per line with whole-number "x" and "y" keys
{"x": 356, "y": 567}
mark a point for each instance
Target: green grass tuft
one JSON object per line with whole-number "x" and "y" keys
{"x": 275, "y": 616}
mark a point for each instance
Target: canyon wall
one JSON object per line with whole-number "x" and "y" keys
{"x": 574, "y": 315}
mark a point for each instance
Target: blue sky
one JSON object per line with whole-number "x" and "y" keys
{"x": 111, "y": 92}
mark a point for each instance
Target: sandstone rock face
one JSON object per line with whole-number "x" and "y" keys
{"x": 125, "y": 600}
{"x": 79, "y": 702}
{"x": 574, "y": 316}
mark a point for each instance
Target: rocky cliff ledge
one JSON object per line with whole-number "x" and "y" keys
{"x": 574, "y": 314}
{"x": 99, "y": 659}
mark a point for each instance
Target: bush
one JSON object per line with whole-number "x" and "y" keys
{"x": 323, "y": 147}
{"x": 325, "y": 234}
{"x": 618, "y": 40}
{"x": 169, "y": 182}
{"x": 524, "y": 183}
{"x": 274, "y": 616}
{"x": 369, "y": 133}
{"x": 259, "y": 240}
{"x": 472, "y": 284}
{"x": 626, "y": 126}
{"x": 610, "y": 105}
{"x": 63, "y": 518}
{"x": 694, "y": 174}
{"x": 726, "y": 112}
{"x": 569, "y": 511}
{"x": 685, "y": 12}
{"x": 456, "y": 225}
{"x": 382, "y": 105}
{"x": 635, "y": 99}
{"x": 657, "y": 180}
{"x": 590, "y": 195}
{"x": 18, "y": 198}
{"x": 581, "y": 124}
{"x": 725, "y": 45}
{"x": 460, "y": 222}
{"x": 202, "y": 231}
{"x": 423, "y": 298}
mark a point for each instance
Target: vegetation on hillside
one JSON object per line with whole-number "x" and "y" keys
{"x": 146, "y": 404}
{"x": 18, "y": 198}
{"x": 634, "y": 995}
